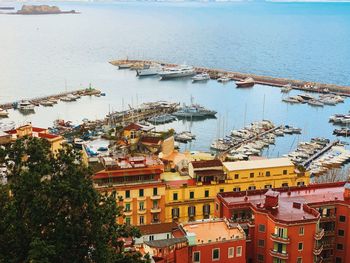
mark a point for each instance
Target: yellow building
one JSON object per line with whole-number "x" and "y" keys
{"x": 193, "y": 198}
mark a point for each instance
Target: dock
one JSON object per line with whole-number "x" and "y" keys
{"x": 37, "y": 100}
{"x": 259, "y": 79}
{"x": 329, "y": 146}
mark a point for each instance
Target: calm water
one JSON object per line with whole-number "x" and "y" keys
{"x": 38, "y": 54}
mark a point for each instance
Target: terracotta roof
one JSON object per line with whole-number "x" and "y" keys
{"x": 48, "y": 136}
{"x": 206, "y": 163}
{"x": 11, "y": 131}
{"x": 133, "y": 126}
{"x": 287, "y": 212}
{"x": 126, "y": 172}
{"x": 210, "y": 173}
{"x": 158, "y": 228}
{"x": 36, "y": 129}
{"x": 179, "y": 183}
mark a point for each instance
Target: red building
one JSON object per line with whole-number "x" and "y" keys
{"x": 206, "y": 241}
{"x": 309, "y": 224}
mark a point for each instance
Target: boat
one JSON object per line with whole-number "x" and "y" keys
{"x": 290, "y": 100}
{"x": 194, "y": 111}
{"x": 201, "y": 77}
{"x": 224, "y": 79}
{"x": 306, "y": 97}
{"x": 314, "y": 102}
{"x": 177, "y": 72}
{"x": 46, "y": 103}
{"x": 151, "y": 71}
{"x": 342, "y": 132}
{"x": 3, "y": 113}
{"x": 286, "y": 88}
{"x": 124, "y": 66}
{"x": 69, "y": 97}
{"x": 53, "y": 100}
{"x": 160, "y": 119}
{"x": 245, "y": 83}
{"x": 25, "y": 106}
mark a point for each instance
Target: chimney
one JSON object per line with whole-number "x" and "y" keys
{"x": 347, "y": 191}
{"x": 271, "y": 199}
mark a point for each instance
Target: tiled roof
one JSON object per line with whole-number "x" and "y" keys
{"x": 157, "y": 228}
{"x": 132, "y": 126}
{"x": 206, "y": 163}
{"x": 210, "y": 173}
{"x": 36, "y": 129}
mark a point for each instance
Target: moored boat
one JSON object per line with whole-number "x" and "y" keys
{"x": 245, "y": 83}
{"x": 25, "y": 106}
{"x": 3, "y": 113}
{"x": 201, "y": 77}
{"x": 177, "y": 72}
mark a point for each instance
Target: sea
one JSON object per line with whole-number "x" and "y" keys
{"x": 48, "y": 54}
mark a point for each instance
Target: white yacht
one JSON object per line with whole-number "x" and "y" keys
{"x": 177, "y": 72}
{"x": 25, "y": 106}
{"x": 224, "y": 79}
{"x": 201, "y": 77}
{"x": 3, "y": 113}
{"x": 151, "y": 71}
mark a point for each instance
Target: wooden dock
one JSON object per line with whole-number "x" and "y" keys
{"x": 259, "y": 79}
{"x": 37, "y": 100}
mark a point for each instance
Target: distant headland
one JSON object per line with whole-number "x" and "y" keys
{"x": 41, "y": 10}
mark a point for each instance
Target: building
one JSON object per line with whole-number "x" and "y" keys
{"x": 265, "y": 173}
{"x": 201, "y": 242}
{"x": 136, "y": 180}
{"x": 308, "y": 224}
{"x": 156, "y": 232}
{"x": 192, "y": 198}
{"x": 55, "y": 141}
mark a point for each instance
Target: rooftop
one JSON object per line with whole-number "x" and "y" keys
{"x": 157, "y": 228}
{"x": 133, "y": 126}
{"x": 212, "y": 231}
{"x": 165, "y": 242}
{"x": 206, "y": 163}
{"x": 258, "y": 164}
{"x": 294, "y": 204}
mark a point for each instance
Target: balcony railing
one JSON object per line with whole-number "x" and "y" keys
{"x": 281, "y": 255}
{"x": 155, "y": 210}
{"x": 141, "y": 198}
{"x": 319, "y": 234}
{"x": 327, "y": 218}
{"x": 128, "y": 212}
{"x": 276, "y": 238}
{"x": 155, "y": 197}
{"x": 141, "y": 211}
{"x": 318, "y": 250}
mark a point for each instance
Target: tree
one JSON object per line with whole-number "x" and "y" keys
{"x": 50, "y": 211}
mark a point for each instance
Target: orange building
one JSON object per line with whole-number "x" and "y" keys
{"x": 136, "y": 180}
{"x": 304, "y": 225}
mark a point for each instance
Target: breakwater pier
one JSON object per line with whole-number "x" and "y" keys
{"x": 259, "y": 79}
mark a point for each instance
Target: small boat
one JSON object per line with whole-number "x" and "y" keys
{"x": 3, "y": 113}
{"x": 201, "y": 77}
{"x": 69, "y": 97}
{"x": 314, "y": 102}
{"x": 25, "y": 106}
{"x": 46, "y": 103}
{"x": 124, "y": 66}
{"x": 290, "y": 100}
{"x": 342, "y": 132}
{"x": 78, "y": 143}
{"x": 177, "y": 72}
{"x": 286, "y": 88}
{"x": 150, "y": 71}
{"x": 245, "y": 83}
{"x": 53, "y": 100}
{"x": 224, "y": 79}
{"x": 306, "y": 97}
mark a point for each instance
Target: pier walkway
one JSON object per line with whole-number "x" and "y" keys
{"x": 329, "y": 146}
{"x": 263, "y": 80}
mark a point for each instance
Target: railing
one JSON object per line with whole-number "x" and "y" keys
{"x": 276, "y": 238}
{"x": 155, "y": 197}
{"x": 155, "y": 209}
{"x": 319, "y": 234}
{"x": 318, "y": 250}
{"x": 281, "y": 255}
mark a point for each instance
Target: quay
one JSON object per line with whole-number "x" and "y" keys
{"x": 259, "y": 79}
{"x": 328, "y": 147}
{"x": 82, "y": 92}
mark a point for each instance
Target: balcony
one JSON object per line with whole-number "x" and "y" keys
{"x": 141, "y": 198}
{"x": 155, "y": 210}
{"x": 155, "y": 197}
{"x": 328, "y": 218}
{"x": 283, "y": 240}
{"x": 127, "y": 212}
{"x": 319, "y": 234}
{"x": 318, "y": 250}
{"x": 127, "y": 200}
{"x": 280, "y": 255}
{"x": 141, "y": 211}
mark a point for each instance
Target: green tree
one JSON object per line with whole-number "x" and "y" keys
{"x": 50, "y": 211}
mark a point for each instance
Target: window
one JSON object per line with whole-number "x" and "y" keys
{"x": 155, "y": 191}
{"x": 221, "y": 190}
{"x": 252, "y": 187}
{"x": 285, "y": 185}
{"x": 236, "y": 189}
{"x": 342, "y": 218}
{"x": 127, "y": 221}
{"x": 151, "y": 238}
{"x": 251, "y": 175}
{"x": 167, "y": 236}
{"x": 300, "y": 246}
{"x": 206, "y": 211}
{"x": 196, "y": 256}
{"x": 217, "y": 206}
{"x": 231, "y": 252}
{"x": 191, "y": 195}
{"x": 175, "y": 212}
{"x": 340, "y": 246}
{"x": 142, "y": 206}
{"x": 236, "y": 176}
{"x": 267, "y": 186}
{"x": 338, "y": 260}
{"x": 300, "y": 183}
{"x": 268, "y": 173}
{"x": 261, "y": 228}
{"x": 261, "y": 243}
{"x": 239, "y": 251}
{"x": 174, "y": 196}
{"x": 155, "y": 204}
{"x": 206, "y": 193}
{"x": 216, "y": 254}
{"x": 127, "y": 193}
{"x": 141, "y": 220}
{"x": 341, "y": 232}
{"x": 281, "y": 232}
{"x": 155, "y": 218}
{"x": 299, "y": 260}
{"x": 260, "y": 258}
{"x": 140, "y": 192}
{"x": 191, "y": 211}
{"x": 301, "y": 231}
{"x": 127, "y": 207}
{"x": 285, "y": 172}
